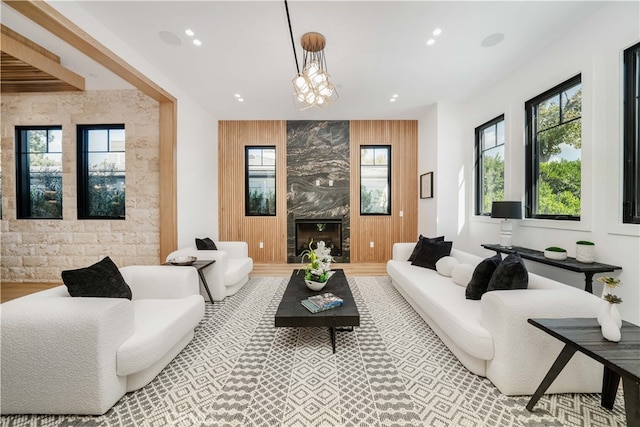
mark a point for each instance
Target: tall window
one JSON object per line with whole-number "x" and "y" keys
{"x": 39, "y": 172}
{"x": 260, "y": 181}
{"x": 554, "y": 142}
{"x": 375, "y": 180}
{"x": 101, "y": 171}
{"x": 489, "y": 164}
{"x": 631, "y": 211}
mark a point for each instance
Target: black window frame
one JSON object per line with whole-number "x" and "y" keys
{"x": 532, "y": 169}
{"x": 23, "y": 180}
{"x": 247, "y": 211}
{"x": 631, "y": 135}
{"x": 83, "y": 170}
{"x": 372, "y": 147}
{"x": 479, "y": 162}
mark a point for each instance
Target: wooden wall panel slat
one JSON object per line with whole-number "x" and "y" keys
{"x": 233, "y": 137}
{"x": 401, "y": 135}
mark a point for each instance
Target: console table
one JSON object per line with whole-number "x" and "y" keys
{"x": 568, "y": 264}
{"x": 621, "y": 359}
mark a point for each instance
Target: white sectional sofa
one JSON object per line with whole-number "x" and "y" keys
{"x": 491, "y": 337}
{"x": 228, "y": 274}
{"x": 74, "y": 355}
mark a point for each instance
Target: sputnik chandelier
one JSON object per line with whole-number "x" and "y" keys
{"x": 312, "y": 86}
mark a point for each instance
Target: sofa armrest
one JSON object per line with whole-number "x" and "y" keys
{"x": 59, "y": 354}
{"x": 402, "y": 251}
{"x": 234, "y": 249}
{"x": 161, "y": 281}
{"x": 522, "y": 353}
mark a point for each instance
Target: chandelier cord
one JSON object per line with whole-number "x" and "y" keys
{"x": 293, "y": 44}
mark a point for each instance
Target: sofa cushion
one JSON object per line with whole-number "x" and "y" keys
{"x": 101, "y": 280}
{"x": 445, "y": 265}
{"x": 159, "y": 325}
{"x": 429, "y": 252}
{"x": 417, "y": 246}
{"x": 481, "y": 277}
{"x": 237, "y": 270}
{"x": 461, "y": 274}
{"x": 510, "y": 274}
{"x": 206, "y": 244}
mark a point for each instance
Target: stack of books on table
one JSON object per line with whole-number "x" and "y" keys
{"x": 322, "y": 302}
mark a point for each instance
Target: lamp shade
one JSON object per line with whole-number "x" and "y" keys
{"x": 506, "y": 209}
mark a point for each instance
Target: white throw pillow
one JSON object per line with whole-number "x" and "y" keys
{"x": 445, "y": 264}
{"x": 461, "y": 274}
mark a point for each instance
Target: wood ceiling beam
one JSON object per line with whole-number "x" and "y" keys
{"x": 50, "y": 69}
{"x": 53, "y": 21}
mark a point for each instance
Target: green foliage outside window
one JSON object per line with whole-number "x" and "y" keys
{"x": 493, "y": 185}
{"x": 106, "y": 198}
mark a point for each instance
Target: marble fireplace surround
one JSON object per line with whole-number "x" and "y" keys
{"x": 318, "y": 173}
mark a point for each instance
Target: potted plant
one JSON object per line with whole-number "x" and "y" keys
{"x": 555, "y": 252}
{"x": 585, "y": 251}
{"x": 608, "y": 314}
{"x": 318, "y": 271}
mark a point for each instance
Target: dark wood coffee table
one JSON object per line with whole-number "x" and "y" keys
{"x": 621, "y": 359}
{"x": 291, "y": 313}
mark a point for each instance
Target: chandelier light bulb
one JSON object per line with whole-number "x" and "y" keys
{"x": 312, "y": 86}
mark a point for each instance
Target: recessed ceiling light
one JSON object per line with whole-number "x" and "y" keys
{"x": 240, "y": 99}
{"x": 437, "y": 32}
{"x": 395, "y": 95}
{"x": 189, "y": 32}
{"x": 237, "y": 95}
{"x": 197, "y": 42}
{"x": 392, "y": 100}
{"x": 430, "y": 42}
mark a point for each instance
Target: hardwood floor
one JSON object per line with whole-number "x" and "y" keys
{"x": 9, "y": 291}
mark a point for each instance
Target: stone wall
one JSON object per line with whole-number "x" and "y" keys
{"x": 37, "y": 250}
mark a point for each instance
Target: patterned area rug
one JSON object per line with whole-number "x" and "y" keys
{"x": 392, "y": 370}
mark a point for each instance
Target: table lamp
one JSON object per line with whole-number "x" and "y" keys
{"x": 506, "y": 210}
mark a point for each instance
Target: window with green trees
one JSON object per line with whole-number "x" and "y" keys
{"x": 489, "y": 164}
{"x": 553, "y": 154}
{"x": 39, "y": 172}
{"x": 375, "y": 180}
{"x": 260, "y": 181}
{"x": 631, "y": 184}
{"x": 101, "y": 171}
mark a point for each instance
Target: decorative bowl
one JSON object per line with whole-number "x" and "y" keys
{"x": 182, "y": 260}
{"x": 555, "y": 255}
{"x": 315, "y": 286}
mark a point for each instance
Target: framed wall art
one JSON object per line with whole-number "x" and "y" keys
{"x": 426, "y": 185}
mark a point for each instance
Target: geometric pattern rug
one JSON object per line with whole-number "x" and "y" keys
{"x": 240, "y": 370}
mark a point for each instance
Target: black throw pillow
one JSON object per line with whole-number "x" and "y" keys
{"x": 420, "y": 239}
{"x": 205, "y": 244}
{"x": 429, "y": 252}
{"x": 102, "y": 279}
{"x": 510, "y": 274}
{"x": 481, "y": 277}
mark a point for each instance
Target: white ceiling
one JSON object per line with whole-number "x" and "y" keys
{"x": 375, "y": 49}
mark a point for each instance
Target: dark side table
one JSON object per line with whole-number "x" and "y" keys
{"x": 620, "y": 360}
{"x": 570, "y": 264}
{"x": 200, "y": 265}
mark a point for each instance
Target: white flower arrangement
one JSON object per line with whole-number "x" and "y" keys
{"x": 320, "y": 258}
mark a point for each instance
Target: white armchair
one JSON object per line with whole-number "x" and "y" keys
{"x": 75, "y": 355}
{"x": 228, "y": 274}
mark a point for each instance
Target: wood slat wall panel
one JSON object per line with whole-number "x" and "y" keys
{"x": 233, "y": 136}
{"x": 401, "y": 135}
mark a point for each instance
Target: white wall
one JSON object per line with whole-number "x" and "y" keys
{"x": 597, "y": 55}
{"x": 197, "y": 136}
{"x": 428, "y": 162}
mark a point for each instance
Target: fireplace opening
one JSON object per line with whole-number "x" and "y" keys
{"x": 327, "y": 230}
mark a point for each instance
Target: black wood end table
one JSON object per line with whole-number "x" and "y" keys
{"x": 199, "y": 265}
{"x": 571, "y": 264}
{"x": 620, "y": 360}
{"x": 291, "y": 312}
